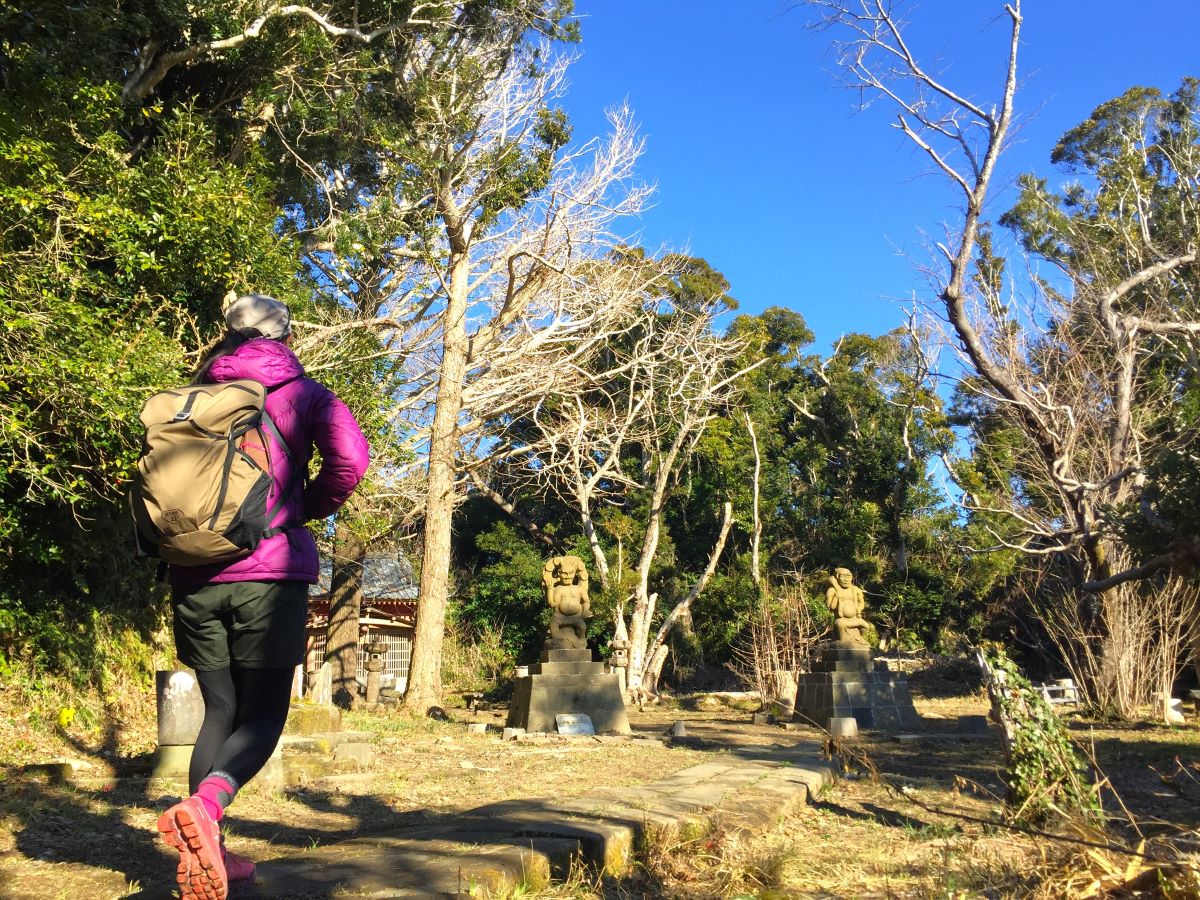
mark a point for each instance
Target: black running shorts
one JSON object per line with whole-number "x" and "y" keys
{"x": 245, "y": 624}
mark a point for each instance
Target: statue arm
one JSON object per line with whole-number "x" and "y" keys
{"x": 831, "y": 597}
{"x": 548, "y": 582}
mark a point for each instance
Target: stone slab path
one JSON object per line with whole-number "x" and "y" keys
{"x": 535, "y": 841}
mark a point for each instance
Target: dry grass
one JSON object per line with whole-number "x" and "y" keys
{"x": 865, "y": 838}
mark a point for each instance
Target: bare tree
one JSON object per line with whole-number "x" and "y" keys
{"x": 492, "y": 278}
{"x": 778, "y": 645}
{"x": 1079, "y": 389}
{"x": 645, "y": 400}
{"x": 164, "y": 52}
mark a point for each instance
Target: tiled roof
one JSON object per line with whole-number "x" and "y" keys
{"x": 385, "y": 577}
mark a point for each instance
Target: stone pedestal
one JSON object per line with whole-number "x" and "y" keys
{"x": 847, "y": 682}
{"x": 568, "y": 681}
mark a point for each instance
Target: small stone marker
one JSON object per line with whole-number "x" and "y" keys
{"x": 843, "y": 727}
{"x": 512, "y": 734}
{"x": 477, "y": 728}
{"x": 762, "y": 718}
{"x": 574, "y": 723}
{"x": 1175, "y": 712}
{"x": 355, "y": 754}
{"x": 792, "y": 726}
{"x": 679, "y": 729}
{"x": 180, "y": 708}
{"x": 321, "y": 689}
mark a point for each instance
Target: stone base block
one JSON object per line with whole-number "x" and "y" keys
{"x": 582, "y": 655}
{"x": 171, "y": 761}
{"x": 537, "y": 699}
{"x": 846, "y": 659}
{"x": 843, "y": 728}
{"x": 309, "y": 719}
{"x": 875, "y": 699}
{"x": 571, "y": 668}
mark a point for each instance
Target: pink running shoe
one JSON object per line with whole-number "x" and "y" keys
{"x": 237, "y": 868}
{"x": 188, "y": 828}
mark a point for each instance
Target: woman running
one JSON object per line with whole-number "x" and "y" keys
{"x": 241, "y": 625}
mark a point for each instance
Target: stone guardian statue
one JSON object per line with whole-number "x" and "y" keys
{"x": 565, "y": 583}
{"x": 847, "y": 602}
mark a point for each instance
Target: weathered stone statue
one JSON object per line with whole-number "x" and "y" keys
{"x": 567, "y": 681}
{"x": 565, "y": 582}
{"x": 846, "y": 600}
{"x": 848, "y": 688}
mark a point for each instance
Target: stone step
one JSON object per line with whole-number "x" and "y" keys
{"x": 522, "y": 845}
{"x": 605, "y": 846}
{"x": 396, "y": 867}
{"x": 301, "y": 767}
{"x": 852, "y": 665}
{"x": 571, "y": 668}
{"x": 568, "y": 656}
{"x": 324, "y": 743}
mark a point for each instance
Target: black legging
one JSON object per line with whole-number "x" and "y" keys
{"x": 244, "y": 713}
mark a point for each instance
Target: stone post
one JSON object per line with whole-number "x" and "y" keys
{"x": 320, "y": 685}
{"x": 784, "y": 702}
{"x": 375, "y": 651}
{"x": 180, "y": 714}
{"x": 618, "y": 661}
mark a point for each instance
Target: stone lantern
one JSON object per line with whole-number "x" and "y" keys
{"x": 375, "y": 651}
{"x": 618, "y": 660}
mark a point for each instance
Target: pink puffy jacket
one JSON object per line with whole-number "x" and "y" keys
{"x": 307, "y": 414}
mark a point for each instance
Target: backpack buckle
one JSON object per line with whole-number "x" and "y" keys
{"x": 186, "y": 413}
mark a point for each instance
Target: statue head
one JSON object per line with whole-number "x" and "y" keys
{"x": 843, "y": 576}
{"x": 567, "y": 569}
{"x": 563, "y": 572}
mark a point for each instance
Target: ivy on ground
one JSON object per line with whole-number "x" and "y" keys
{"x": 1046, "y": 776}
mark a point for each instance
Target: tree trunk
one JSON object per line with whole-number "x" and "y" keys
{"x": 593, "y": 539}
{"x": 345, "y": 608}
{"x": 755, "y": 561}
{"x": 654, "y": 669}
{"x": 650, "y": 662}
{"x": 643, "y": 600}
{"x": 424, "y": 688}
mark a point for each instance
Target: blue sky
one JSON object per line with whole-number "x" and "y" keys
{"x": 765, "y": 167}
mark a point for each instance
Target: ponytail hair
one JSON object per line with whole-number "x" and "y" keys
{"x": 227, "y": 345}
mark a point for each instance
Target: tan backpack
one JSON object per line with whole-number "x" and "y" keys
{"x": 200, "y": 492}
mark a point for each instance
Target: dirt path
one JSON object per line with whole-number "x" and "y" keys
{"x": 900, "y": 835}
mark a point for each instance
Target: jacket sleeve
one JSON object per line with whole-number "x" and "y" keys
{"x": 344, "y": 456}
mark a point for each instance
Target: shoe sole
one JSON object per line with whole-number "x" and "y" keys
{"x": 197, "y": 872}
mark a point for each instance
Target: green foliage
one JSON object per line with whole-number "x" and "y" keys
{"x": 503, "y": 595}
{"x": 108, "y": 269}
{"x": 723, "y": 610}
{"x": 1046, "y": 777}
